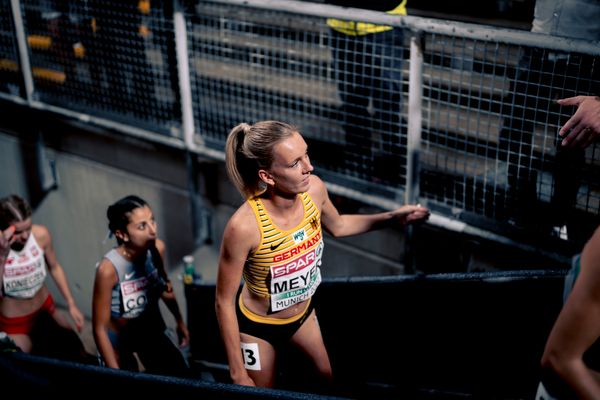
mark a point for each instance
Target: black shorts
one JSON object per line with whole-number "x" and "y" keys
{"x": 276, "y": 333}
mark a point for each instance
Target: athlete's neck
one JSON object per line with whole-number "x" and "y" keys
{"x": 130, "y": 254}
{"x": 283, "y": 203}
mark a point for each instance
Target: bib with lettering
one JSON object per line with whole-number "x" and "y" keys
{"x": 24, "y": 271}
{"x": 137, "y": 286}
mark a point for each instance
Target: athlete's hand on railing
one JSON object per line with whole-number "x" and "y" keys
{"x": 410, "y": 214}
{"x": 584, "y": 126}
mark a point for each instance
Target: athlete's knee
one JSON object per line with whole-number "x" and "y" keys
{"x": 22, "y": 341}
{"x": 324, "y": 369}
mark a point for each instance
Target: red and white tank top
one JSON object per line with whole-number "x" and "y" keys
{"x": 24, "y": 271}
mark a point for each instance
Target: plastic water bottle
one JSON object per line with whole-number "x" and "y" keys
{"x": 189, "y": 270}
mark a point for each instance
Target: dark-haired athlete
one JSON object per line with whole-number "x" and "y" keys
{"x": 130, "y": 281}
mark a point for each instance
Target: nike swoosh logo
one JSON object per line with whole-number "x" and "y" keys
{"x": 274, "y": 247}
{"x": 129, "y": 276}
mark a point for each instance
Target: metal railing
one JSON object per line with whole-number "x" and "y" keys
{"x": 453, "y": 115}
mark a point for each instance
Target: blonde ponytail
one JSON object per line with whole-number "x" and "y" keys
{"x": 248, "y": 149}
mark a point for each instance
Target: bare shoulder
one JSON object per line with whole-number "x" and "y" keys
{"x": 106, "y": 278}
{"x": 317, "y": 189}
{"x": 41, "y": 234}
{"x": 242, "y": 227}
{"x": 106, "y": 270}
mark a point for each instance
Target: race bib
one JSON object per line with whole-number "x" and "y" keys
{"x": 296, "y": 280}
{"x": 135, "y": 296}
{"x": 25, "y": 279}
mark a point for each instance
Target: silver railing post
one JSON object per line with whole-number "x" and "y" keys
{"x": 23, "y": 48}
{"x": 183, "y": 71}
{"x": 415, "y": 117}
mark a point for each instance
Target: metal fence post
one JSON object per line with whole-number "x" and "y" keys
{"x": 415, "y": 117}
{"x": 23, "y": 50}
{"x": 183, "y": 71}
{"x": 415, "y": 125}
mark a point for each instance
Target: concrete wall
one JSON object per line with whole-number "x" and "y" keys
{"x": 75, "y": 212}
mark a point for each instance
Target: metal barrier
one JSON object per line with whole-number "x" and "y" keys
{"x": 414, "y": 336}
{"x": 453, "y": 115}
{"x": 42, "y": 376}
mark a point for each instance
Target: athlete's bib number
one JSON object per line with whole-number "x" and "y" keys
{"x": 251, "y": 356}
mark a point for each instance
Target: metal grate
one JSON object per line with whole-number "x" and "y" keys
{"x": 484, "y": 145}
{"x": 113, "y": 59}
{"x": 10, "y": 75}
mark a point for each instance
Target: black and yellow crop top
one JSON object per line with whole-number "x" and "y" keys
{"x": 286, "y": 264}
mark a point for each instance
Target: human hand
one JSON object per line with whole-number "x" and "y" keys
{"x": 584, "y": 126}
{"x": 410, "y": 214}
{"x": 183, "y": 334}
{"x": 77, "y": 316}
{"x": 168, "y": 286}
{"x": 244, "y": 380}
{"x": 6, "y": 239}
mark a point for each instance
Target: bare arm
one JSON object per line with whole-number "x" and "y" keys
{"x": 43, "y": 237}
{"x": 106, "y": 278}
{"x": 237, "y": 242}
{"x": 354, "y": 224}
{"x": 6, "y": 239}
{"x": 584, "y": 126}
{"x": 578, "y": 326}
{"x": 168, "y": 296}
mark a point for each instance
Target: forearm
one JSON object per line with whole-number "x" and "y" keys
{"x": 173, "y": 307}
{"x": 2, "y": 262}
{"x": 3, "y": 258}
{"x": 60, "y": 278}
{"x": 585, "y": 382}
{"x": 229, "y": 328}
{"x": 354, "y": 224}
{"x": 594, "y": 387}
{"x": 105, "y": 348}
{"x": 6, "y": 238}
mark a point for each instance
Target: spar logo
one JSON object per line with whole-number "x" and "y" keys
{"x": 293, "y": 266}
{"x": 134, "y": 294}
{"x": 297, "y": 280}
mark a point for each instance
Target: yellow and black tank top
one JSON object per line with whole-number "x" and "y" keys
{"x": 286, "y": 264}
{"x": 354, "y": 28}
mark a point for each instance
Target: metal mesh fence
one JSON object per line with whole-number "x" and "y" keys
{"x": 491, "y": 144}
{"x": 250, "y": 66}
{"x": 488, "y": 148}
{"x": 114, "y": 59}
{"x": 10, "y": 75}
